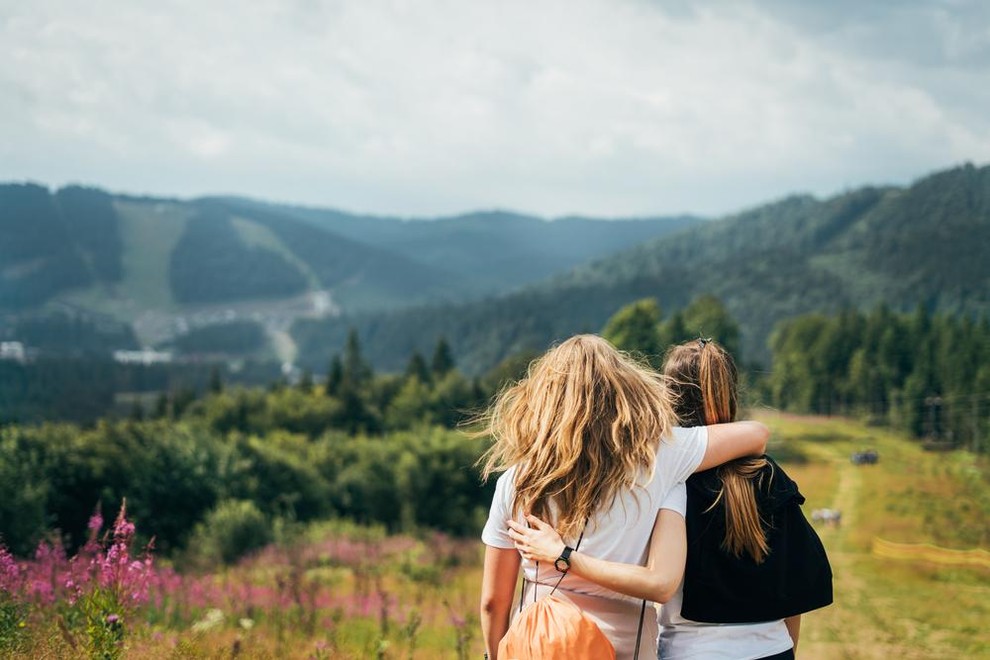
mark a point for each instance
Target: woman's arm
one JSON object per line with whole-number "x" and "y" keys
{"x": 734, "y": 440}
{"x": 498, "y": 584}
{"x": 657, "y": 581}
{"x": 793, "y": 624}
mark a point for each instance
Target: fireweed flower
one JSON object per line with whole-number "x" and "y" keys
{"x": 9, "y": 571}
{"x": 95, "y": 522}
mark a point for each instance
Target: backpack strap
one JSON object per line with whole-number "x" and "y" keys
{"x": 577, "y": 546}
{"x": 536, "y": 577}
{"x": 639, "y": 632}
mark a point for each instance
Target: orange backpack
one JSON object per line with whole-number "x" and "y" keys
{"x": 556, "y": 629}
{"x": 552, "y": 629}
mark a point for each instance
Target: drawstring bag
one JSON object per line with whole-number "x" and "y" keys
{"x": 556, "y": 629}
{"x": 552, "y": 629}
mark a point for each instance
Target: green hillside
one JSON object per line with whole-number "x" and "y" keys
{"x": 211, "y": 263}
{"x": 902, "y": 246}
{"x": 361, "y": 276}
{"x": 167, "y": 267}
{"x": 491, "y": 251}
{"x": 39, "y": 254}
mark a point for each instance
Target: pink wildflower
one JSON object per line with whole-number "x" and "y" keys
{"x": 95, "y": 521}
{"x": 9, "y": 571}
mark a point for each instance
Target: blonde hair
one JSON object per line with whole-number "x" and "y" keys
{"x": 705, "y": 377}
{"x": 584, "y": 423}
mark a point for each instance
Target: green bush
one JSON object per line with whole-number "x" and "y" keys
{"x": 230, "y": 531}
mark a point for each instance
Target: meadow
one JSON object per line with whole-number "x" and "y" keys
{"x": 338, "y": 590}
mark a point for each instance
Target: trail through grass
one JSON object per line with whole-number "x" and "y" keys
{"x": 885, "y": 608}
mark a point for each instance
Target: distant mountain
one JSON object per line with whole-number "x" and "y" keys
{"x": 494, "y": 250}
{"x": 166, "y": 267}
{"x": 49, "y": 243}
{"x": 925, "y": 244}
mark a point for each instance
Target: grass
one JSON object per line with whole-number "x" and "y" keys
{"x": 255, "y": 234}
{"x": 149, "y": 232}
{"x": 893, "y": 608}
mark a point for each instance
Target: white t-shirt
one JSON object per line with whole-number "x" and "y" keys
{"x": 682, "y": 639}
{"x": 621, "y": 534}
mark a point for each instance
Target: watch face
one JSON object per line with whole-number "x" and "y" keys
{"x": 562, "y": 564}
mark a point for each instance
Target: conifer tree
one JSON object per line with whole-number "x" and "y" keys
{"x": 417, "y": 368}
{"x": 442, "y": 361}
{"x": 356, "y": 372}
{"x": 335, "y": 376}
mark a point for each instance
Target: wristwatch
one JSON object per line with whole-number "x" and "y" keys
{"x": 563, "y": 562}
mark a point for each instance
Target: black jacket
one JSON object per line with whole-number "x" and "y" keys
{"x": 720, "y": 588}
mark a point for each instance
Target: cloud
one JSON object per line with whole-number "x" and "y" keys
{"x": 438, "y": 106}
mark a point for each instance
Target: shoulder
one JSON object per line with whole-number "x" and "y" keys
{"x": 684, "y": 440}
{"x": 687, "y": 435}
{"x": 681, "y": 452}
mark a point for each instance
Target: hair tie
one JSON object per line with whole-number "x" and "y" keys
{"x": 702, "y": 341}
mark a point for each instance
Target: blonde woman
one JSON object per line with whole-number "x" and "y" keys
{"x": 587, "y": 441}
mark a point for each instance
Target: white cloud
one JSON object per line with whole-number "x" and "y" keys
{"x": 594, "y": 106}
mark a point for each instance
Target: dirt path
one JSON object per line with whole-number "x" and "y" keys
{"x": 854, "y": 626}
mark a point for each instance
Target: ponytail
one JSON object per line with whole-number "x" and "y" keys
{"x": 744, "y": 531}
{"x": 718, "y": 380}
{"x": 707, "y": 377}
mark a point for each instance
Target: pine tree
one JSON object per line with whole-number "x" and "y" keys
{"x": 417, "y": 368}
{"x": 335, "y": 376}
{"x": 356, "y": 371}
{"x": 442, "y": 361}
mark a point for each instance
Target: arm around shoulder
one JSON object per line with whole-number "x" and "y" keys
{"x": 734, "y": 440}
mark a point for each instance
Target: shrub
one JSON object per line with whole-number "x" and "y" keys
{"x": 230, "y": 531}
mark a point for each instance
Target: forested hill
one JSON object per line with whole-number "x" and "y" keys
{"x": 166, "y": 266}
{"x": 925, "y": 244}
{"x": 494, "y": 250}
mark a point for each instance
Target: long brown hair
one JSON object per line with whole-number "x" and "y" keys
{"x": 706, "y": 381}
{"x": 585, "y": 422}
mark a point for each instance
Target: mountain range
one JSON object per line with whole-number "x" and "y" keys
{"x": 170, "y": 270}
{"x": 924, "y": 244}
{"x": 292, "y": 281}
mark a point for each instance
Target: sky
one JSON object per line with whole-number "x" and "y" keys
{"x": 434, "y": 107}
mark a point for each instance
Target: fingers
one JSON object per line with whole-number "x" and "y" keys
{"x": 536, "y": 522}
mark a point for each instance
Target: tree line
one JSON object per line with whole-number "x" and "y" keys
{"x": 234, "y": 462}
{"x": 925, "y": 373}
{"x": 928, "y": 374}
